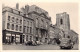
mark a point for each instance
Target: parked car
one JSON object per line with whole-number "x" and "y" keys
{"x": 33, "y": 43}
{"x": 38, "y": 42}
{"x": 28, "y": 43}
{"x": 66, "y": 43}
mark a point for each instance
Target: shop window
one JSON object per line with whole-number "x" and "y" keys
{"x": 8, "y": 26}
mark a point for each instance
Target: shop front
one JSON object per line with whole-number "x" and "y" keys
{"x": 12, "y": 38}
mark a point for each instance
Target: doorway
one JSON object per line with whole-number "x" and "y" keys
{"x": 13, "y": 39}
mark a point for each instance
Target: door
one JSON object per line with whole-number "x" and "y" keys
{"x": 12, "y": 39}
{"x": 45, "y": 40}
{"x": 36, "y": 38}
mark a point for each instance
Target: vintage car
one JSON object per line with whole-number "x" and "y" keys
{"x": 66, "y": 43}
{"x": 33, "y": 43}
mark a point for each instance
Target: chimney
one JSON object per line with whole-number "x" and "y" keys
{"x": 17, "y": 6}
{"x": 26, "y": 8}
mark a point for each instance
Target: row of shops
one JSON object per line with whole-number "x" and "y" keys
{"x": 10, "y": 37}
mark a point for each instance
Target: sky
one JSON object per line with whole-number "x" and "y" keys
{"x": 54, "y": 8}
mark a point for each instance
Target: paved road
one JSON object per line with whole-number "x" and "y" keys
{"x": 40, "y": 47}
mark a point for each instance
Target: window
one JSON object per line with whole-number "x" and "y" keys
{"x": 37, "y": 9}
{"x": 46, "y": 24}
{"x": 31, "y": 24}
{"x": 28, "y": 23}
{"x": 30, "y": 29}
{"x": 36, "y": 22}
{"x": 36, "y": 31}
{"x": 12, "y": 26}
{"x": 30, "y": 38}
{"x": 20, "y": 28}
{"x": 68, "y": 36}
{"x": 26, "y": 37}
{"x": 61, "y": 21}
{"x": 24, "y": 21}
{"x": 27, "y": 29}
{"x": 16, "y": 27}
{"x": 46, "y": 34}
{"x": 24, "y": 29}
{"x": 17, "y": 20}
{"x": 8, "y": 18}
{"x": 20, "y": 21}
{"x": 12, "y": 19}
{"x": 8, "y": 26}
{"x": 42, "y": 22}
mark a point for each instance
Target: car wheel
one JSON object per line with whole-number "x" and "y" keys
{"x": 71, "y": 47}
{"x": 61, "y": 47}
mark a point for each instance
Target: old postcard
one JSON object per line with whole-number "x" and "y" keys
{"x": 40, "y": 26}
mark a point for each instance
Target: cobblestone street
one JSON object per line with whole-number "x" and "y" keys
{"x": 40, "y": 47}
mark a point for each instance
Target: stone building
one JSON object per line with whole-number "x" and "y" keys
{"x": 32, "y": 23}
{"x": 41, "y": 22}
{"x": 28, "y": 28}
{"x": 28, "y": 24}
{"x": 63, "y": 23}
{"x": 17, "y": 26}
{"x": 12, "y": 25}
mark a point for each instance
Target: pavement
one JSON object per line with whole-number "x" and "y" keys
{"x": 40, "y": 47}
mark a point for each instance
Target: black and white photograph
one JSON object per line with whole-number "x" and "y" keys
{"x": 40, "y": 26}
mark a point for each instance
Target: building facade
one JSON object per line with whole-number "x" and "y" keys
{"x": 41, "y": 23}
{"x": 31, "y": 23}
{"x": 12, "y": 25}
{"x": 63, "y": 23}
{"x": 28, "y": 28}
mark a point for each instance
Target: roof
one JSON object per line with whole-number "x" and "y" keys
{"x": 36, "y": 9}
